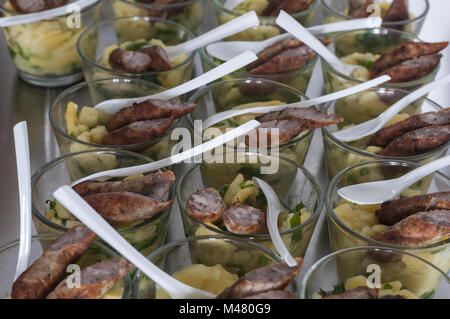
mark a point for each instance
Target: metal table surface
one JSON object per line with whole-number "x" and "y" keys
{"x": 20, "y": 101}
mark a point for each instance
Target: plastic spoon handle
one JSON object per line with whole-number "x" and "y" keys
{"x": 288, "y": 23}
{"x": 177, "y": 158}
{"x": 421, "y": 172}
{"x": 115, "y": 105}
{"x": 89, "y": 217}
{"x": 274, "y": 210}
{"x": 44, "y": 15}
{"x": 239, "y": 24}
{"x": 341, "y": 26}
{"x": 24, "y": 177}
{"x": 219, "y": 117}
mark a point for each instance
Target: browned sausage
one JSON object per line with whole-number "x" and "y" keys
{"x": 294, "y": 6}
{"x": 155, "y": 185}
{"x": 413, "y": 69}
{"x": 148, "y": 110}
{"x": 274, "y": 133}
{"x": 357, "y": 293}
{"x": 392, "y": 297}
{"x": 138, "y": 132}
{"x": 124, "y": 208}
{"x": 206, "y": 205}
{"x": 261, "y": 280}
{"x": 384, "y": 136}
{"x": 392, "y": 212}
{"x": 274, "y": 294}
{"x": 272, "y": 7}
{"x": 51, "y": 4}
{"x": 419, "y": 141}
{"x": 407, "y": 51}
{"x": 358, "y": 8}
{"x": 159, "y": 57}
{"x": 418, "y": 229}
{"x": 310, "y": 117}
{"x": 245, "y": 220}
{"x": 47, "y": 271}
{"x": 398, "y": 11}
{"x": 129, "y": 61}
{"x": 165, "y": 13}
{"x": 95, "y": 280}
{"x": 28, "y": 6}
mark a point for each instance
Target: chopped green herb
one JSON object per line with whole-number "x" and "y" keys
{"x": 232, "y": 123}
{"x": 136, "y": 45}
{"x": 51, "y": 203}
{"x": 364, "y": 63}
{"x": 236, "y": 269}
{"x": 249, "y": 171}
{"x": 224, "y": 189}
{"x": 427, "y": 295}
{"x": 387, "y": 286}
{"x": 419, "y": 183}
{"x": 261, "y": 200}
{"x": 244, "y": 185}
{"x": 337, "y": 289}
{"x": 351, "y": 179}
{"x": 364, "y": 171}
{"x": 295, "y": 221}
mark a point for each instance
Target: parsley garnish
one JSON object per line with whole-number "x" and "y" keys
{"x": 337, "y": 289}
{"x": 51, "y": 203}
{"x": 224, "y": 189}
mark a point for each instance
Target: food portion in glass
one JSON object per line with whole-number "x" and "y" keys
{"x": 137, "y": 206}
{"x": 416, "y": 222}
{"x": 188, "y": 13}
{"x": 227, "y": 267}
{"x": 102, "y": 274}
{"x": 354, "y": 274}
{"x": 419, "y": 133}
{"x": 133, "y": 47}
{"x": 44, "y": 52}
{"x": 219, "y": 197}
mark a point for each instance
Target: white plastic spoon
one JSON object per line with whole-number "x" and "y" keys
{"x": 369, "y": 127}
{"x": 226, "y": 50}
{"x": 89, "y": 217}
{"x": 114, "y": 105}
{"x": 382, "y": 191}
{"x": 24, "y": 177}
{"x": 177, "y": 158}
{"x": 237, "y": 25}
{"x": 273, "y": 211}
{"x": 44, "y": 15}
{"x": 291, "y": 25}
{"x": 222, "y": 116}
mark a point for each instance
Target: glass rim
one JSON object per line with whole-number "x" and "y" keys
{"x": 76, "y": 87}
{"x": 128, "y": 287}
{"x": 160, "y": 6}
{"x": 303, "y": 13}
{"x": 103, "y": 23}
{"x": 331, "y": 214}
{"x": 209, "y": 87}
{"x": 305, "y": 280}
{"x": 2, "y": 8}
{"x": 408, "y": 35}
{"x": 42, "y": 170}
{"x": 314, "y": 215}
{"x": 391, "y": 23}
{"x": 349, "y": 148}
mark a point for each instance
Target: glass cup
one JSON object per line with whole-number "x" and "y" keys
{"x": 223, "y": 15}
{"x": 298, "y": 79}
{"x": 187, "y": 13}
{"x": 237, "y": 256}
{"x": 44, "y": 52}
{"x": 349, "y": 268}
{"x": 97, "y": 42}
{"x": 93, "y": 92}
{"x": 336, "y": 10}
{"x": 226, "y": 95}
{"x": 375, "y": 41}
{"x": 351, "y": 225}
{"x": 145, "y": 236}
{"x": 362, "y": 107}
{"x": 96, "y": 252}
{"x": 295, "y": 186}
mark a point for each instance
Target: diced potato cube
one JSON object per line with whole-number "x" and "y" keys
{"x": 81, "y": 129}
{"x": 97, "y": 134}
{"x": 89, "y": 117}
{"x": 397, "y": 118}
{"x": 62, "y": 212}
{"x": 71, "y": 118}
{"x": 135, "y": 176}
{"x": 355, "y": 282}
{"x": 85, "y": 137}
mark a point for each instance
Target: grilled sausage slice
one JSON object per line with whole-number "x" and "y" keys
{"x": 407, "y": 51}
{"x": 148, "y": 110}
{"x": 245, "y": 220}
{"x": 358, "y": 8}
{"x": 294, "y": 6}
{"x": 165, "y": 13}
{"x": 47, "y": 271}
{"x": 384, "y": 136}
{"x": 159, "y": 57}
{"x": 51, "y": 4}
{"x": 125, "y": 208}
{"x": 155, "y": 185}
{"x": 129, "y": 61}
{"x": 275, "y": 132}
{"x": 418, "y": 141}
{"x": 357, "y": 293}
{"x": 274, "y": 294}
{"x": 398, "y": 11}
{"x": 28, "y": 6}
{"x": 261, "y": 280}
{"x": 392, "y": 212}
{"x": 392, "y": 297}
{"x": 206, "y": 205}
{"x": 95, "y": 281}
{"x": 413, "y": 69}
{"x": 138, "y": 132}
